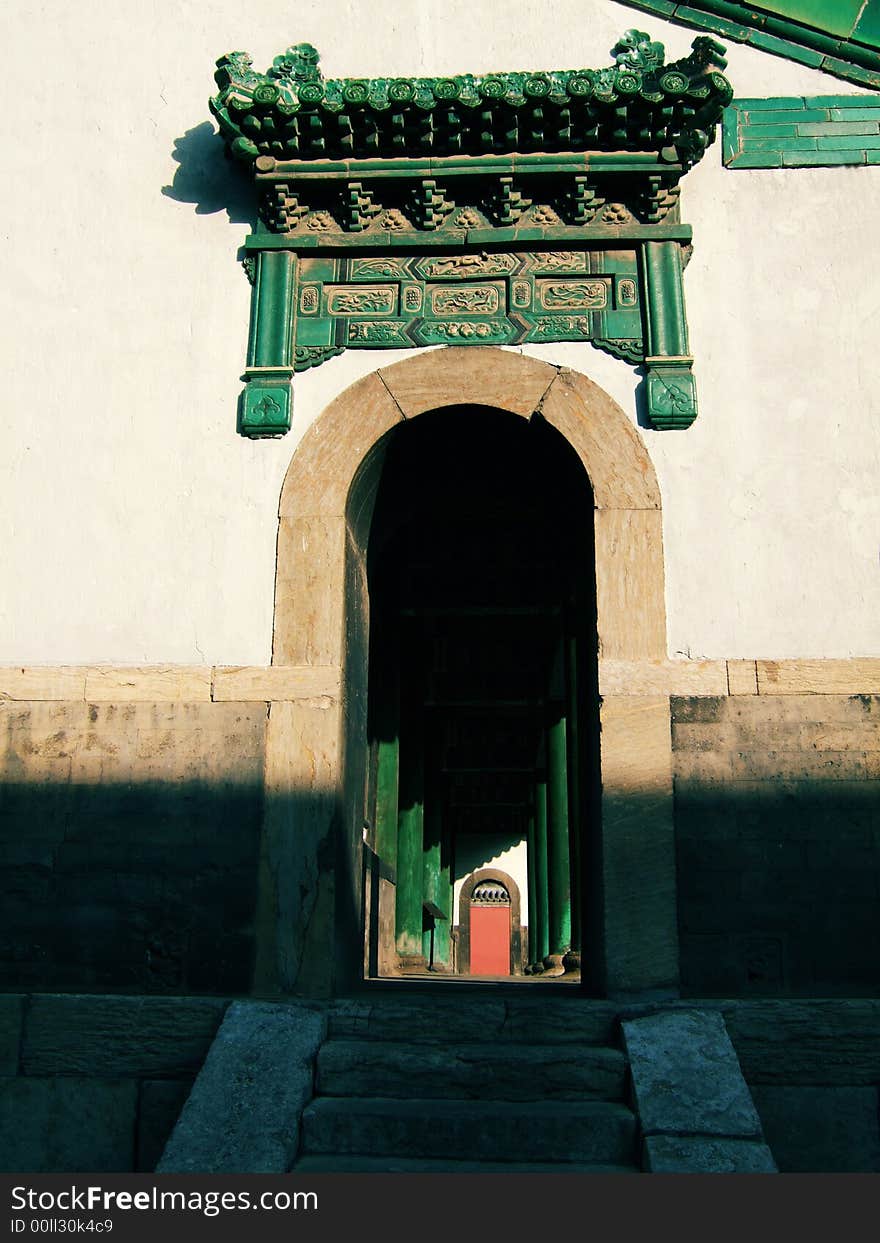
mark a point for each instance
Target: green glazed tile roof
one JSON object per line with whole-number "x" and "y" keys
{"x": 841, "y": 37}
{"x": 834, "y": 17}
{"x": 639, "y": 103}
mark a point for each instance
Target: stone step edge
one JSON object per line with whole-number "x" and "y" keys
{"x": 458, "y": 1047}
{"x": 418, "y": 1107}
{"x": 315, "y": 1163}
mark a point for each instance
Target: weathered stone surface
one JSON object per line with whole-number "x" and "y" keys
{"x": 333, "y": 448}
{"x": 686, "y": 1078}
{"x": 638, "y": 845}
{"x": 831, "y": 1042}
{"x": 742, "y": 677}
{"x": 819, "y": 677}
{"x": 630, "y": 596}
{"x": 159, "y": 1105}
{"x": 276, "y": 682}
{"x": 775, "y": 814}
{"x": 132, "y": 831}
{"x": 636, "y": 745}
{"x": 550, "y": 1021}
{"x": 469, "y": 1071}
{"x": 309, "y": 591}
{"x": 243, "y": 1113}
{"x": 451, "y": 1020}
{"x": 468, "y": 376}
{"x": 141, "y": 1037}
{"x": 821, "y": 1129}
{"x": 764, "y": 710}
{"x": 11, "y": 1010}
{"x": 60, "y": 1125}
{"x": 593, "y": 1131}
{"x": 150, "y": 683}
{"x": 611, "y": 449}
{"x": 353, "y": 1164}
{"x": 43, "y": 682}
{"x": 669, "y": 1154}
{"x": 421, "y": 1020}
{"x": 662, "y": 677}
{"x": 297, "y": 853}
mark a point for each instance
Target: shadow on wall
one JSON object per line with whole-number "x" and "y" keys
{"x": 778, "y": 887}
{"x": 152, "y": 887}
{"x": 145, "y": 887}
{"x": 208, "y": 179}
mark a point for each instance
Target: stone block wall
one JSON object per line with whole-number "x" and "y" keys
{"x": 813, "y": 1068}
{"x": 95, "y": 1084}
{"x": 129, "y": 837}
{"x": 777, "y": 813}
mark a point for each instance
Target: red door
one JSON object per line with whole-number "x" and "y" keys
{"x": 490, "y": 939}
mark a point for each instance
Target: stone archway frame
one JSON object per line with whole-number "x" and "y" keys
{"x": 326, "y": 504}
{"x": 464, "y": 918}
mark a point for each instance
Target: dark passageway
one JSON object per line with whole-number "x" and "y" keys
{"x": 482, "y": 680}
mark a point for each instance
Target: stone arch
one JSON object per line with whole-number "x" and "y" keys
{"x": 316, "y": 747}
{"x": 464, "y": 918}
{"x": 315, "y": 517}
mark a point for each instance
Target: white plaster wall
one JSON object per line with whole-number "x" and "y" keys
{"x": 138, "y": 527}
{"x": 471, "y": 858}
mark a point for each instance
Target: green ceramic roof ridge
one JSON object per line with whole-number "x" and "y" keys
{"x": 640, "y": 103}
{"x": 853, "y": 56}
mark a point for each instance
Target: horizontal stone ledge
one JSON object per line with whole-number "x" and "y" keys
{"x": 148, "y": 684}
{"x": 662, "y": 677}
{"x": 276, "y": 683}
{"x": 106, "y": 683}
{"x": 168, "y": 683}
{"x": 723, "y": 678}
{"x": 859, "y": 676}
{"x": 279, "y": 683}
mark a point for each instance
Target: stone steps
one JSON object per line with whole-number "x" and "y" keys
{"x": 451, "y": 1020}
{"x": 579, "y": 1133}
{"x": 446, "y": 1083}
{"x": 363, "y": 1068}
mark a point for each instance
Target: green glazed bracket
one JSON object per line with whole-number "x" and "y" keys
{"x": 504, "y": 209}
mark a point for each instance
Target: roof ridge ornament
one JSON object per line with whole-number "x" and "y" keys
{"x": 291, "y": 112}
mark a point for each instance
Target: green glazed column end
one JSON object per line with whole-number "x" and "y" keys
{"x": 266, "y": 403}
{"x": 671, "y": 393}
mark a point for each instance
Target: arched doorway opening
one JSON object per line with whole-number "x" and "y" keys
{"x": 313, "y": 886}
{"x": 482, "y": 687}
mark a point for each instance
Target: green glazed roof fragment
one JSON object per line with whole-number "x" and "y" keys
{"x": 868, "y": 29}
{"x": 845, "y": 32}
{"x": 639, "y": 103}
{"x": 836, "y": 17}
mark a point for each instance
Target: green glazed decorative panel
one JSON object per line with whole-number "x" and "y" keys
{"x": 507, "y": 209}
{"x": 483, "y": 298}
